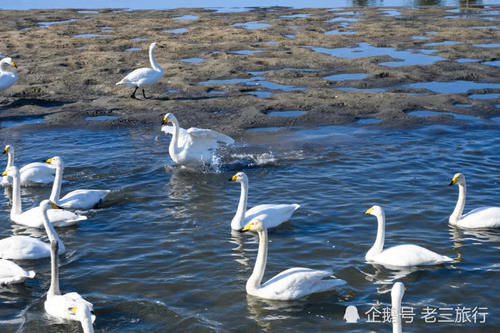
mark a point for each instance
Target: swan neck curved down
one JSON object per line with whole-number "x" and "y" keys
{"x": 16, "y": 196}
{"x": 254, "y": 281}
{"x": 54, "y": 271}
{"x": 152, "y": 60}
{"x": 396, "y": 315}
{"x": 56, "y": 186}
{"x": 378, "y": 246}
{"x": 238, "y": 219}
{"x": 51, "y": 231}
{"x": 459, "y": 208}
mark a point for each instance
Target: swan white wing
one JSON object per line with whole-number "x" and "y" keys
{"x": 297, "y": 282}
{"x": 37, "y": 173}
{"x": 141, "y": 77}
{"x": 271, "y": 215}
{"x": 7, "y": 79}
{"x": 203, "y": 135}
{"x": 58, "y": 217}
{"x": 82, "y": 199}
{"x": 484, "y": 217}
{"x": 409, "y": 255}
{"x": 11, "y": 273}
{"x": 183, "y": 135}
{"x": 24, "y": 247}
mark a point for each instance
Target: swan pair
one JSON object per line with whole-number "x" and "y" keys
{"x": 30, "y": 174}
{"x": 144, "y": 77}
{"x": 25, "y": 247}
{"x": 290, "y": 284}
{"x": 7, "y": 76}
{"x": 194, "y": 147}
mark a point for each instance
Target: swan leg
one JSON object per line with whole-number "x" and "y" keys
{"x": 144, "y": 94}
{"x": 133, "y": 94}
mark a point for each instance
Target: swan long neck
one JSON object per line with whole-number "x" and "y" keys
{"x": 54, "y": 270}
{"x": 378, "y": 246}
{"x": 152, "y": 60}
{"x": 10, "y": 158}
{"x": 396, "y": 315}
{"x": 238, "y": 219}
{"x": 255, "y": 279}
{"x": 56, "y": 186}
{"x": 17, "y": 206}
{"x": 459, "y": 208}
{"x": 51, "y": 231}
{"x": 173, "y": 147}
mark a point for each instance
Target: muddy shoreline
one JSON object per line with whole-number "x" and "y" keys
{"x": 68, "y": 70}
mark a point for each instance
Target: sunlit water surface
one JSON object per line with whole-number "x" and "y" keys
{"x": 159, "y": 255}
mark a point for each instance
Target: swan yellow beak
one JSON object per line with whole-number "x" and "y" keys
{"x": 369, "y": 210}
{"x": 247, "y": 227}
{"x": 454, "y": 180}
{"x": 49, "y": 160}
{"x": 233, "y": 178}
{"x": 5, "y": 173}
{"x": 164, "y": 121}
{"x": 13, "y": 64}
{"x": 54, "y": 206}
{"x": 6, "y": 150}
{"x": 159, "y": 46}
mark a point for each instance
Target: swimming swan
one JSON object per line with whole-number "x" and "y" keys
{"x": 25, "y": 247}
{"x": 397, "y": 292}
{"x": 484, "y": 217}
{"x": 70, "y": 306}
{"x": 144, "y": 77}
{"x": 32, "y": 173}
{"x": 400, "y": 255}
{"x": 271, "y": 215}
{"x": 11, "y": 273}
{"x": 7, "y": 76}
{"x": 33, "y": 217}
{"x": 290, "y": 284}
{"x": 195, "y": 146}
{"x": 77, "y": 199}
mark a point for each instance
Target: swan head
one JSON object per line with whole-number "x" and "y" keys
{"x": 254, "y": 225}
{"x": 397, "y": 292}
{"x": 8, "y": 149}
{"x": 168, "y": 117}
{"x": 47, "y": 204}
{"x": 240, "y": 177}
{"x": 7, "y": 62}
{"x": 56, "y": 161}
{"x": 84, "y": 312}
{"x": 458, "y": 178}
{"x": 155, "y": 45}
{"x": 375, "y": 211}
{"x": 11, "y": 171}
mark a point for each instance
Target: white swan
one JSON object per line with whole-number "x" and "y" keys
{"x": 144, "y": 77}
{"x": 290, "y": 284}
{"x": 271, "y": 215}
{"x": 70, "y": 306}
{"x": 11, "y": 273}
{"x": 401, "y": 255}
{"x": 34, "y": 217}
{"x": 32, "y": 173}
{"x": 195, "y": 146}
{"x": 7, "y": 76}
{"x": 484, "y": 217}
{"x": 78, "y": 199}
{"x": 25, "y": 247}
{"x": 397, "y": 292}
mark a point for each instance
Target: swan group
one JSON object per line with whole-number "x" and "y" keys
{"x": 30, "y": 174}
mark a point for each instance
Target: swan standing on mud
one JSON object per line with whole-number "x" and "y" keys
{"x": 144, "y": 77}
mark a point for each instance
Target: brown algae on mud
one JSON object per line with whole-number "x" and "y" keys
{"x": 243, "y": 65}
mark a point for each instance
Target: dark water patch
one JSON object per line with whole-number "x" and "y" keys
{"x": 368, "y": 121}
{"x": 16, "y": 121}
{"x": 484, "y": 96}
{"x": 346, "y": 77}
{"x": 338, "y": 32}
{"x": 294, "y": 113}
{"x": 254, "y": 81}
{"x": 492, "y": 45}
{"x": 98, "y": 118}
{"x": 466, "y": 60}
